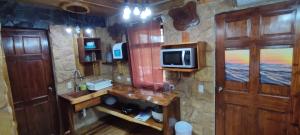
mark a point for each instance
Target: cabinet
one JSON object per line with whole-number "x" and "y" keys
{"x": 89, "y": 50}
{"x": 71, "y": 103}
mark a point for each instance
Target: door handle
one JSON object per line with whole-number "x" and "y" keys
{"x": 50, "y": 89}
{"x": 220, "y": 89}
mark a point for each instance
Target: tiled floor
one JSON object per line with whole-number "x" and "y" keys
{"x": 116, "y": 126}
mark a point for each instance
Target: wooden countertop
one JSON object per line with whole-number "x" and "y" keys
{"x": 159, "y": 98}
{"x": 81, "y": 96}
{"x": 129, "y": 92}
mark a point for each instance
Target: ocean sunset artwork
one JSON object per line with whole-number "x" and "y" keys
{"x": 276, "y": 66}
{"x": 237, "y": 65}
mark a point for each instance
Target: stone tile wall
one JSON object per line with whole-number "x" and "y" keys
{"x": 7, "y": 122}
{"x": 196, "y": 108}
{"x": 199, "y": 108}
{"x": 119, "y": 72}
{"x": 65, "y": 61}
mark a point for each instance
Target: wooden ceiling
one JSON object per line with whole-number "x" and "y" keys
{"x": 106, "y": 7}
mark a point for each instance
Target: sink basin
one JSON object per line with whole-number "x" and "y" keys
{"x": 82, "y": 96}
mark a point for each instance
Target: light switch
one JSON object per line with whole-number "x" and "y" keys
{"x": 201, "y": 88}
{"x": 128, "y": 79}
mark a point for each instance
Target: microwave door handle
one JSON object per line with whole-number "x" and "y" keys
{"x": 183, "y": 54}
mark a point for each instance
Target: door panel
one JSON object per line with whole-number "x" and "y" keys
{"x": 274, "y": 90}
{"x": 17, "y": 93}
{"x": 35, "y": 85}
{"x": 272, "y": 123}
{"x": 35, "y": 113}
{"x": 22, "y": 121}
{"x": 234, "y": 117}
{"x": 32, "y": 45}
{"x": 9, "y": 47}
{"x": 255, "y": 70}
{"x": 272, "y": 23}
{"x": 276, "y": 72}
{"x": 30, "y": 73}
{"x": 238, "y": 29}
{"x": 237, "y": 70}
{"x": 277, "y": 26}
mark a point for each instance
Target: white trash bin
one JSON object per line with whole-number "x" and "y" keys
{"x": 183, "y": 128}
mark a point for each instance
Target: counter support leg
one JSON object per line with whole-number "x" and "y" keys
{"x": 171, "y": 116}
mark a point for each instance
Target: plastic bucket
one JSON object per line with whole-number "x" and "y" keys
{"x": 183, "y": 128}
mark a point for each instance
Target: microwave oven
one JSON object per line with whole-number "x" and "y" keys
{"x": 178, "y": 57}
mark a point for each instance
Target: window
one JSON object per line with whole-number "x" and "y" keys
{"x": 144, "y": 45}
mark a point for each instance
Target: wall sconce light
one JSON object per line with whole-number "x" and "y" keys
{"x": 69, "y": 30}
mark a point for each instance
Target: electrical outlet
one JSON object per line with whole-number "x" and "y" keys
{"x": 119, "y": 77}
{"x": 201, "y": 88}
{"x": 69, "y": 85}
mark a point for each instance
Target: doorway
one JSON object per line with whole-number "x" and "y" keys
{"x": 257, "y": 58}
{"x": 31, "y": 77}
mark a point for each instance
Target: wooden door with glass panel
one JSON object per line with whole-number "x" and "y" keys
{"x": 256, "y": 62}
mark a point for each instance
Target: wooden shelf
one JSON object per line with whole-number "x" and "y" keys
{"x": 201, "y": 55}
{"x": 107, "y": 63}
{"x": 181, "y": 69}
{"x": 83, "y": 53}
{"x": 92, "y": 49}
{"x": 182, "y": 44}
{"x": 117, "y": 113}
{"x": 87, "y": 62}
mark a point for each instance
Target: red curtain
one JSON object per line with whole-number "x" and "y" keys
{"x": 144, "y": 46}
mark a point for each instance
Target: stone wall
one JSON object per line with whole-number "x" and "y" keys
{"x": 65, "y": 60}
{"x": 7, "y": 119}
{"x": 198, "y": 108}
{"x": 63, "y": 56}
{"x": 119, "y": 71}
{"x": 106, "y": 42}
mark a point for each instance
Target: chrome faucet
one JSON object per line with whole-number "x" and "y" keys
{"x": 76, "y": 76}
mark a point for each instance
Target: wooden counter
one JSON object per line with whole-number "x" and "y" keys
{"x": 81, "y": 96}
{"x": 159, "y": 98}
{"x": 73, "y": 102}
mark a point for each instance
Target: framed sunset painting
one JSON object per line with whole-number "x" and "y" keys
{"x": 237, "y": 65}
{"x": 276, "y": 66}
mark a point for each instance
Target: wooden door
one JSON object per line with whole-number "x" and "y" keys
{"x": 257, "y": 71}
{"x": 30, "y": 73}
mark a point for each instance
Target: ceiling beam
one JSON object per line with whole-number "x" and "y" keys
{"x": 102, "y": 3}
{"x": 168, "y": 5}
